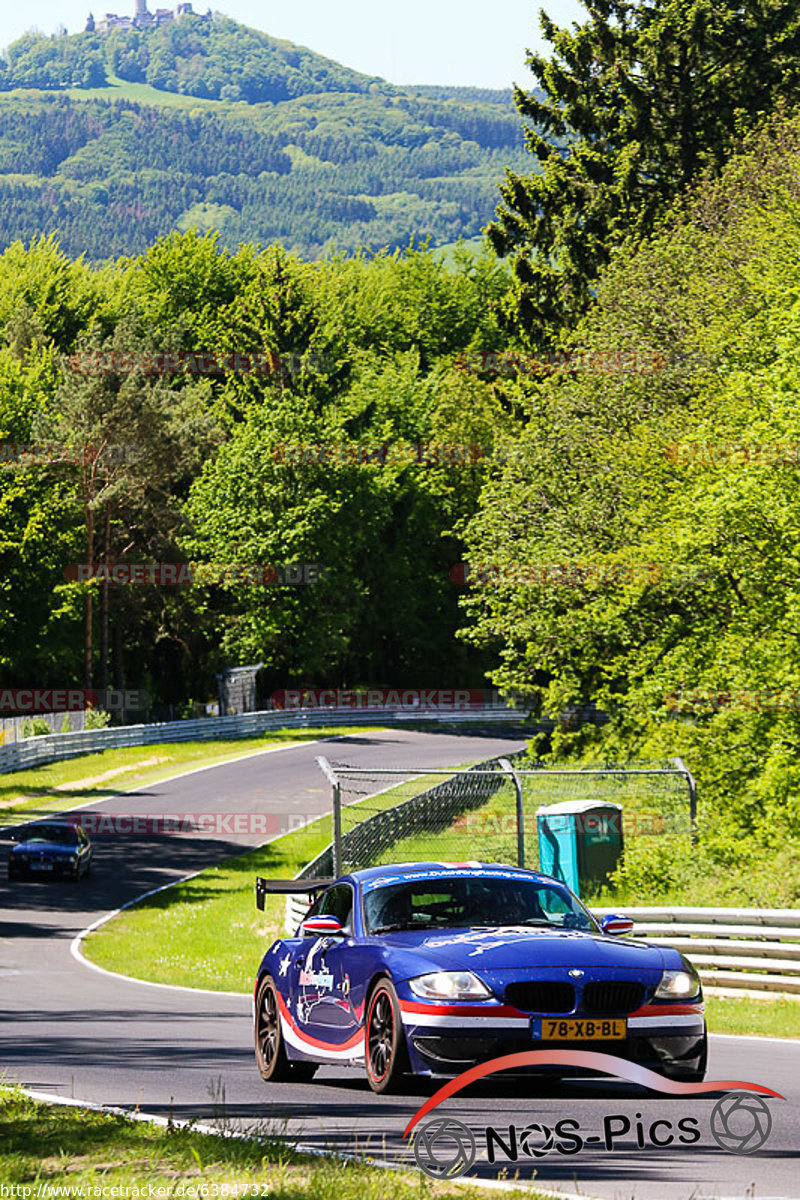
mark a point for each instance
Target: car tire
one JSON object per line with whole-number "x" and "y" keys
{"x": 385, "y": 1051}
{"x": 271, "y": 1059}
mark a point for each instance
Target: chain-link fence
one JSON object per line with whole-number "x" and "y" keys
{"x": 657, "y": 800}
{"x": 16, "y": 729}
{"x": 410, "y": 818}
{"x": 488, "y": 812}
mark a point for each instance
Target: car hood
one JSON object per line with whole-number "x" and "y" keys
{"x": 53, "y": 849}
{"x": 517, "y": 947}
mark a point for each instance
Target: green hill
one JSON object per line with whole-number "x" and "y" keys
{"x": 112, "y": 139}
{"x": 214, "y": 59}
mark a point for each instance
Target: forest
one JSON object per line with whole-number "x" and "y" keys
{"x": 112, "y": 140}
{"x": 625, "y": 352}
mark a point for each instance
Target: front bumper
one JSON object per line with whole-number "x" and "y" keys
{"x": 667, "y": 1041}
{"x": 676, "y": 1056}
{"x": 54, "y": 869}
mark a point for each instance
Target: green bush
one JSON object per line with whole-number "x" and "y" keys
{"x": 35, "y": 727}
{"x": 97, "y": 719}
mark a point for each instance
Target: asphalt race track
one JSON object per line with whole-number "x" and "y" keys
{"x": 76, "y": 1032}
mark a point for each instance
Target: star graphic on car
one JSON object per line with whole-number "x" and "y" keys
{"x": 284, "y": 964}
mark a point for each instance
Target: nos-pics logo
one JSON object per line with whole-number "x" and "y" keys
{"x": 444, "y": 1148}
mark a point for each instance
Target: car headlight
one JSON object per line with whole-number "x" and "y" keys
{"x": 679, "y": 985}
{"x": 449, "y": 985}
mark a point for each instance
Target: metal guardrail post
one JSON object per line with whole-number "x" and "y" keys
{"x": 692, "y": 782}
{"x": 509, "y": 770}
{"x": 336, "y": 790}
{"x": 337, "y": 830}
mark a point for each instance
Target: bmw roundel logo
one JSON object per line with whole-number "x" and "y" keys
{"x": 576, "y": 974}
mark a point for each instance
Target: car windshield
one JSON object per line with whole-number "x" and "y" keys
{"x": 457, "y": 901}
{"x": 64, "y": 835}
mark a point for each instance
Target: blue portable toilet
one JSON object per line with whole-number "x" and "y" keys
{"x": 580, "y": 841}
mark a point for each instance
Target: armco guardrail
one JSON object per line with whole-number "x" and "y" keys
{"x": 36, "y": 751}
{"x": 738, "y": 948}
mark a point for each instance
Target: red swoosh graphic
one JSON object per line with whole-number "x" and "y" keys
{"x": 590, "y": 1059}
{"x": 313, "y": 1042}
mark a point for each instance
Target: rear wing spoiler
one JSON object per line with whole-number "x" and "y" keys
{"x": 290, "y": 887}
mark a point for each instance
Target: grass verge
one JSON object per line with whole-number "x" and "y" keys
{"x": 78, "y": 1152}
{"x": 93, "y": 777}
{"x": 777, "y": 1017}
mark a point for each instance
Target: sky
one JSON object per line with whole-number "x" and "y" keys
{"x": 458, "y": 42}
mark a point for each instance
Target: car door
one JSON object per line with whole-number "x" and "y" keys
{"x": 323, "y": 982}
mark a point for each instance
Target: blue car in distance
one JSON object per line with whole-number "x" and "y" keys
{"x": 430, "y": 968}
{"x": 50, "y": 849}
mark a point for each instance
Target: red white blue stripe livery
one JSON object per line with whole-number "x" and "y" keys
{"x": 430, "y": 968}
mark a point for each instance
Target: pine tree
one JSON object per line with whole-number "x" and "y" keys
{"x": 635, "y": 104}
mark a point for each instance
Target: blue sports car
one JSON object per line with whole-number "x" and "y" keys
{"x": 429, "y": 968}
{"x": 50, "y": 849}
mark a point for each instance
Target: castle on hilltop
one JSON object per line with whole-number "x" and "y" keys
{"x": 143, "y": 19}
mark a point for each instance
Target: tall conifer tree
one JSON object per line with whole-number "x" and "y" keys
{"x": 632, "y": 106}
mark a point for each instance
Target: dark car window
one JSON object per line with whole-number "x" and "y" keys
{"x": 338, "y": 902}
{"x": 62, "y": 835}
{"x": 460, "y": 901}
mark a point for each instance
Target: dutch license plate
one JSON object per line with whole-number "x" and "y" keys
{"x": 578, "y": 1029}
{"x": 41, "y": 866}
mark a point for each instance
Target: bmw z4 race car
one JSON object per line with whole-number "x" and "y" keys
{"x": 430, "y": 968}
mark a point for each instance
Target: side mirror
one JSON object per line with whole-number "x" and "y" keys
{"x": 322, "y": 927}
{"x": 615, "y": 925}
